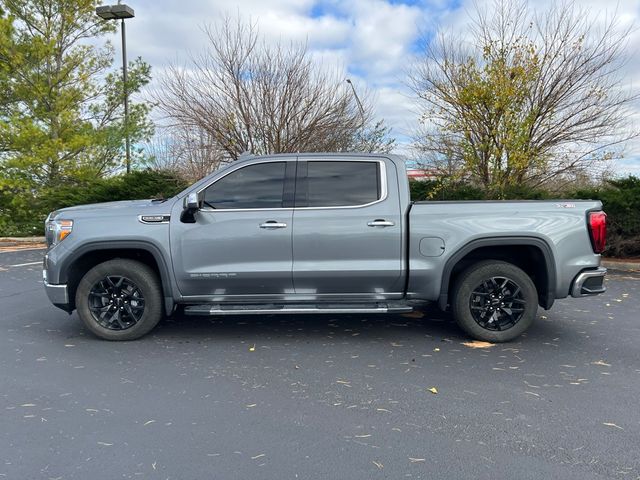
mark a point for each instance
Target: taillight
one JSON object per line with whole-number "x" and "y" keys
{"x": 598, "y": 230}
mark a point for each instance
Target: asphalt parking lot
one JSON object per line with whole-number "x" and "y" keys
{"x": 347, "y": 397}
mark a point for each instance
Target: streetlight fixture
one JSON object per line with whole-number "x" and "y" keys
{"x": 348, "y": 80}
{"x": 121, "y": 12}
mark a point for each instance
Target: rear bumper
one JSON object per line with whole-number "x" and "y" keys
{"x": 589, "y": 282}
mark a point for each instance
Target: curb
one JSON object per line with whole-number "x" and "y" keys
{"x": 621, "y": 265}
{"x": 20, "y": 241}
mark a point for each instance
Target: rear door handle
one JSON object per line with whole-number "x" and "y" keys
{"x": 381, "y": 223}
{"x": 271, "y": 224}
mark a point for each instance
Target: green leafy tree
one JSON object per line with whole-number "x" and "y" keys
{"x": 61, "y": 116}
{"x": 530, "y": 99}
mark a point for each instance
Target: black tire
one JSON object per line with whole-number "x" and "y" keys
{"x": 494, "y": 301}
{"x": 120, "y": 312}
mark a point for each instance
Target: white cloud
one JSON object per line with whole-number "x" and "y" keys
{"x": 371, "y": 39}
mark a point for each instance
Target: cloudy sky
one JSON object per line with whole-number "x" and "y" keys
{"x": 372, "y": 41}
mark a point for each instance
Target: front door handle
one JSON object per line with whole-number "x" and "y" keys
{"x": 381, "y": 223}
{"x": 271, "y": 224}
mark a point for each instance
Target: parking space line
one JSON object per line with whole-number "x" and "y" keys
{"x": 27, "y": 264}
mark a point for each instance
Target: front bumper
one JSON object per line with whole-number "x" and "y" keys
{"x": 589, "y": 282}
{"x": 58, "y": 294}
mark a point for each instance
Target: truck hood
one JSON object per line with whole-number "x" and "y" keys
{"x": 121, "y": 207}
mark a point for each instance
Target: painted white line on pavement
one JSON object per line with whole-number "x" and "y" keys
{"x": 27, "y": 264}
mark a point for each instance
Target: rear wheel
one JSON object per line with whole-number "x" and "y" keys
{"x": 494, "y": 301}
{"x": 119, "y": 299}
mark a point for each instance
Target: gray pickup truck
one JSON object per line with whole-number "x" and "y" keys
{"x": 319, "y": 233}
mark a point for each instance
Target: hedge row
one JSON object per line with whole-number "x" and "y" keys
{"x": 22, "y": 216}
{"x": 620, "y": 198}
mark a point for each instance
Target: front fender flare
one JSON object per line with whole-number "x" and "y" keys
{"x": 102, "y": 246}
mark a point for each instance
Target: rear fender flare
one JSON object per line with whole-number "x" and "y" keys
{"x": 537, "y": 242}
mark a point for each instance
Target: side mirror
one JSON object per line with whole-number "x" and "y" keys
{"x": 192, "y": 202}
{"x": 191, "y": 206}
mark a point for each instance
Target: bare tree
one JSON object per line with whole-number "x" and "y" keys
{"x": 244, "y": 95}
{"x": 532, "y": 97}
{"x": 191, "y": 153}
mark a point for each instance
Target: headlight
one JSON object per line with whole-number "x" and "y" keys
{"x": 58, "y": 230}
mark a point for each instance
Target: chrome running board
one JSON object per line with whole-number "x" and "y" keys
{"x": 275, "y": 309}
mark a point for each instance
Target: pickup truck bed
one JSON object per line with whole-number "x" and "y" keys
{"x": 549, "y": 237}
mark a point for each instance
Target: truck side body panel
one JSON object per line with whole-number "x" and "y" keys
{"x": 440, "y": 229}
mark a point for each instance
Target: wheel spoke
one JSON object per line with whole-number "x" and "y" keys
{"x": 129, "y": 311}
{"x": 104, "y": 308}
{"x": 100, "y": 294}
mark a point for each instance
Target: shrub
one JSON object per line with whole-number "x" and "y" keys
{"x": 22, "y": 216}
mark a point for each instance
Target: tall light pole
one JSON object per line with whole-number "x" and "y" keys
{"x": 348, "y": 80}
{"x": 121, "y": 12}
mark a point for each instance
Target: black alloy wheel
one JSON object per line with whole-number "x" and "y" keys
{"x": 494, "y": 301}
{"x": 120, "y": 299}
{"x": 497, "y": 303}
{"x": 116, "y": 302}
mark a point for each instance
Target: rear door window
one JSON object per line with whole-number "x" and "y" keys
{"x": 340, "y": 184}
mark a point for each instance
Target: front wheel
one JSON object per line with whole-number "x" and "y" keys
{"x": 494, "y": 301}
{"x": 120, "y": 299}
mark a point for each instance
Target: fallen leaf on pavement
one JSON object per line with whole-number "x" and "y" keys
{"x": 252, "y": 348}
{"x": 433, "y": 390}
{"x": 601, "y": 362}
{"x": 477, "y": 344}
{"x": 612, "y": 425}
